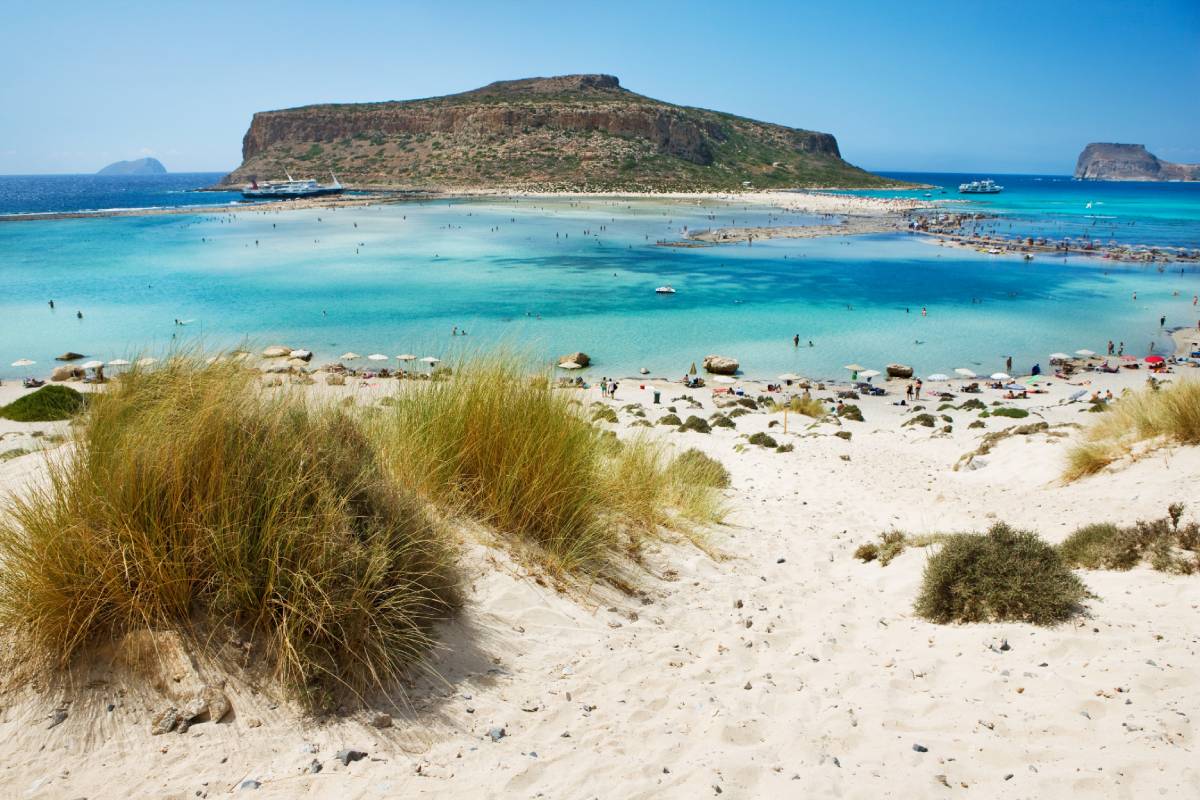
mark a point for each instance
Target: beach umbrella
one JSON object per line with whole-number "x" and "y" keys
{"x": 93, "y": 364}
{"x": 692, "y": 371}
{"x": 1154, "y": 359}
{"x": 1001, "y": 376}
{"x": 349, "y": 356}
{"x": 1129, "y": 358}
{"x": 23, "y": 362}
{"x": 791, "y": 376}
{"x": 725, "y": 379}
{"x": 1084, "y": 353}
{"x": 1059, "y": 356}
{"x": 1032, "y": 379}
{"x": 118, "y": 362}
{"x": 431, "y": 360}
{"x": 937, "y": 376}
{"x": 854, "y": 367}
{"x": 570, "y": 365}
{"x": 147, "y": 361}
{"x": 966, "y": 373}
{"x": 868, "y": 373}
{"x": 1016, "y": 387}
{"x": 377, "y": 357}
{"x": 406, "y": 357}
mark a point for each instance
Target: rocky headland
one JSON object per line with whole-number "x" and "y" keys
{"x": 1104, "y": 161}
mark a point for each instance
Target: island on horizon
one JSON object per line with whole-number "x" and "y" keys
{"x": 565, "y": 133}
{"x": 140, "y": 166}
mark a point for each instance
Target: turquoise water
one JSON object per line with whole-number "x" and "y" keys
{"x": 551, "y": 277}
{"x": 36, "y": 194}
{"x": 1057, "y": 206}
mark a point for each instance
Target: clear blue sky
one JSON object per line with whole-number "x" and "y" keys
{"x": 1010, "y": 86}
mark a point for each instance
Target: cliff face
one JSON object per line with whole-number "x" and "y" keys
{"x": 1104, "y": 161}
{"x": 569, "y": 132}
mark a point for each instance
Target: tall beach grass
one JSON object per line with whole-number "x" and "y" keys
{"x": 1171, "y": 414}
{"x": 191, "y": 500}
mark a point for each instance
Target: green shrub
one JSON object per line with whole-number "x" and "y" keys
{"x": 670, "y": 419}
{"x": 47, "y": 404}
{"x": 1001, "y": 576}
{"x": 808, "y": 406}
{"x": 1100, "y": 546}
{"x": 721, "y": 421}
{"x": 974, "y": 404}
{"x": 738, "y": 412}
{"x": 763, "y": 440}
{"x": 851, "y": 412}
{"x": 694, "y": 423}
{"x": 604, "y": 414}
{"x": 785, "y": 448}
{"x": 1170, "y": 545}
{"x": 1014, "y": 413}
{"x": 925, "y": 420}
{"x": 704, "y": 469}
{"x": 977, "y": 424}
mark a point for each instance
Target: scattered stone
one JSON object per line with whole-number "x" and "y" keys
{"x": 254, "y": 722}
{"x": 497, "y": 733}
{"x": 748, "y": 686}
{"x": 349, "y": 756}
{"x": 531, "y": 705}
{"x": 314, "y": 767}
{"x": 59, "y": 716}
{"x": 165, "y": 721}
{"x": 249, "y": 783}
{"x": 920, "y": 748}
{"x": 1008, "y": 776}
{"x": 942, "y": 780}
{"x": 381, "y": 720}
{"x": 1004, "y": 646}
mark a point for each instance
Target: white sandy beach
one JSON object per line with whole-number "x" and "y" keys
{"x": 783, "y": 668}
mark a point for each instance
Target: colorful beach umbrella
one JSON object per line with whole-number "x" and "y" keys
{"x": 23, "y": 362}
{"x": 1032, "y": 379}
{"x": 1154, "y": 359}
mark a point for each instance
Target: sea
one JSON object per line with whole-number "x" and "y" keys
{"x": 542, "y": 277}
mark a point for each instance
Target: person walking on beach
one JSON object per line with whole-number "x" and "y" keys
{"x": 1110, "y": 347}
{"x": 908, "y": 392}
{"x": 917, "y": 390}
{"x": 796, "y": 340}
{"x": 1121, "y": 349}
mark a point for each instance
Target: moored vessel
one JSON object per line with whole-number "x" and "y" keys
{"x": 291, "y": 189}
{"x": 987, "y": 186}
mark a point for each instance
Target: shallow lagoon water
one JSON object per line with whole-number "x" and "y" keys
{"x": 548, "y": 277}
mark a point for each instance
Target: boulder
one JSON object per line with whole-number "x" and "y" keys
{"x": 276, "y": 351}
{"x": 66, "y": 373}
{"x": 721, "y": 365}
{"x": 582, "y": 359}
{"x": 70, "y": 355}
{"x": 899, "y": 371}
{"x": 303, "y": 355}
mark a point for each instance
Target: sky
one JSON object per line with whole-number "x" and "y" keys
{"x": 967, "y": 85}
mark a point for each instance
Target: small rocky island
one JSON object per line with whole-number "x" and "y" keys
{"x": 141, "y": 166}
{"x": 1106, "y": 161}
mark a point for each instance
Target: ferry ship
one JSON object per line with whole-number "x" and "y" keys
{"x": 291, "y": 189}
{"x": 980, "y": 187}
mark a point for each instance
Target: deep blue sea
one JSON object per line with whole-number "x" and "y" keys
{"x": 551, "y": 276}
{"x": 31, "y": 194}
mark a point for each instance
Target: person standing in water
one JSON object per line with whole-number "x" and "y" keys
{"x": 52, "y": 305}
{"x": 796, "y": 340}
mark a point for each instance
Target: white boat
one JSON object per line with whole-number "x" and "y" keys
{"x": 980, "y": 187}
{"x": 291, "y": 189}
{"x": 665, "y": 290}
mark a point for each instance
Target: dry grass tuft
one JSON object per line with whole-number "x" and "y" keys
{"x": 190, "y": 500}
{"x": 1170, "y": 414}
{"x": 1170, "y": 545}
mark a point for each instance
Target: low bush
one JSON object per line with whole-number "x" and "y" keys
{"x": 925, "y": 420}
{"x": 785, "y": 448}
{"x": 694, "y": 423}
{"x": 604, "y": 414}
{"x": 973, "y": 404}
{"x": 851, "y": 412}
{"x": 763, "y": 440}
{"x": 702, "y": 469}
{"x": 1168, "y": 543}
{"x": 721, "y": 421}
{"x": 806, "y": 405}
{"x": 47, "y": 404}
{"x": 670, "y": 419}
{"x": 1013, "y": 413}
{"x": 1001, "y": 576}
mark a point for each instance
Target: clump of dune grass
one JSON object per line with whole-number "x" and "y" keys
{"x": 1169, "y": 415}
{"x": 192, "y": 501}
{"x": 806, "y": 405}
{"x": 1168, "y": 543}
{"x": 513, "y": 454}
{"x": 893, "y": 543}
{"x": 47, "y": 404}
{"x": 1001, "y": 576}
{"x": 701, "y": 469}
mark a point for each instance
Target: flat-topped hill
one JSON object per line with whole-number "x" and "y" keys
{"x": 572, "y": 132}
{"x": 140, "y": 166}
{"x": 1108, "y": 161}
